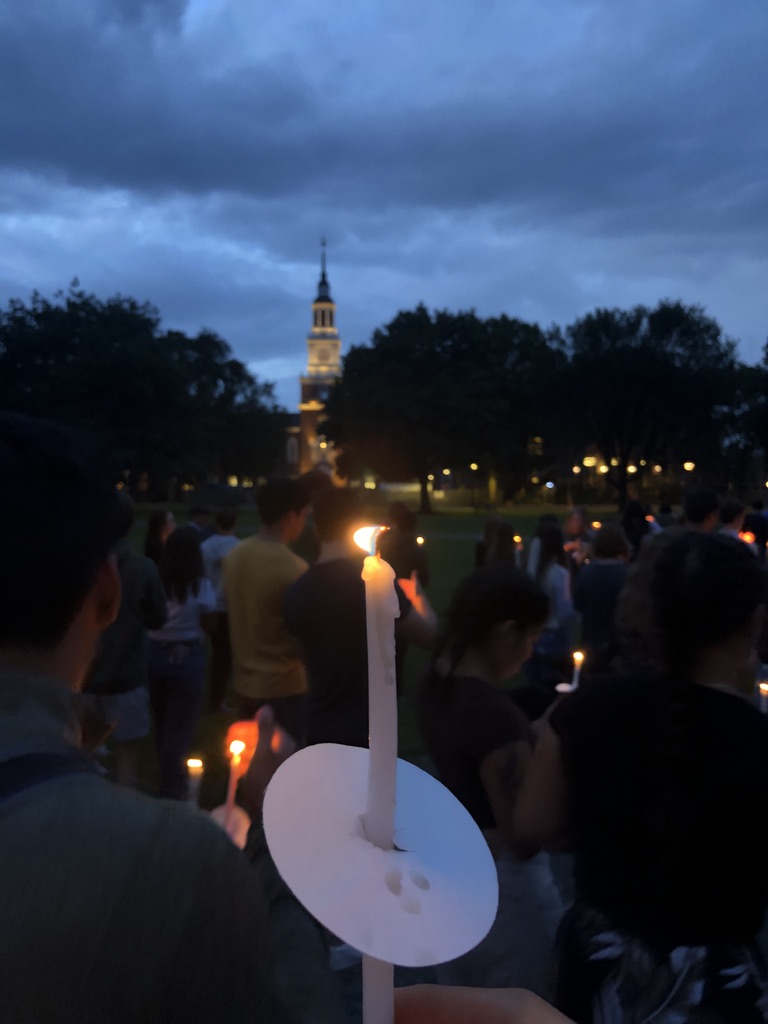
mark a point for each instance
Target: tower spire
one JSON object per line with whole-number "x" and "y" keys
{"x": 323, "y": 288}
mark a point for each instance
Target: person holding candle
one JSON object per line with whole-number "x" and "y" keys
{"x": 550, "y": 660}
{"x": 325, "y": 611}
{"x": 267, "y": 667}
{"x": 657, "y": 784}
{"x": 596, "y": 594}
{"x": 176, "y": 657}
{"x": 476, "y": 736}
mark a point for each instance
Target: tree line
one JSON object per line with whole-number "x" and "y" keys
{"x": 170, "y": 409}
{"x": 632, "y": 392}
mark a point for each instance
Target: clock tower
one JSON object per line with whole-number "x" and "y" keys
{"x": 323, "y": 369}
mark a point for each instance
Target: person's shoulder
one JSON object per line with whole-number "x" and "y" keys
{"x": 605, "y": 699}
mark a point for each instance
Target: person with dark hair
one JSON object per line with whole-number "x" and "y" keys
{"x": 399, "y": 547}
{"x": 472, "y": 730}
{"x": 215, "y": 549}
{"x": 596, "y": 594}
{"x": 200, "y": 520}
{"x": 701, "y": 508}
{"x": 117, "y": 679}
{"x": 657, "y": 784}
{"x": 266, "y": 666}
{"x": 548, "y": 664}
{"x": 665, "y": 517}
{"x": 325, "y": 611}
{"x": 505, "y": 547}
{"x": 732, "y": 515}
{"x": 532, "y": 561}
{"x": 176, "y": 657}
{"x": 160, "y": 526}
{"x": 398, "y": 544}
{"x": 635, "y": 526}
{"x": 114, "y": 907}
{"x": 307, "y": 546}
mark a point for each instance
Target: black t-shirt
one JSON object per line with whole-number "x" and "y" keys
{"x": 325, "y": 609}
{"x": 667, "y": 801}
{"x": 463, "y": 720}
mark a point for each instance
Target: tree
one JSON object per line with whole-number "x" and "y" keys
{"x": 167, "y": 405}
{"x": 439, "y": 390}
{"x": 650, "y": 386}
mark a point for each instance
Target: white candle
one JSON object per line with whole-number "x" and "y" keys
{"x": 763, "y": 687}
{"x": 381, "y": 610}
{"x": 236, "y": 748}
{"x": 578, "y": 661}
{"x": 195, "y": 772}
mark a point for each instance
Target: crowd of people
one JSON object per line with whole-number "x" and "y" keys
{"x": 647, "y": 776}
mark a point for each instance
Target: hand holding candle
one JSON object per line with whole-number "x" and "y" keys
{"x": 578, "y": 661}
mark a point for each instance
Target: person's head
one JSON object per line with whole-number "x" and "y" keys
{"x": 315, "y": 480}
{"x": 181, "y": 563}
{"x": 401, "y": 518}
{"x": 225, "y": 518}
{"x": 59, "y": 517}
{"x": 732, "y": 513}
{"x": 200, "y": 516}
{"x": 707, "y": 589}
{"x": 545, "y": 519}
{"x": 338, "y": 513}
{"x": 575, "y": 523}
{"x": 551, "y": 546}
{"x": 610, "y": 541}
{"x": 160, "y": 525}
{"x": 498, "y": 613}
{"x": 700, "y": 508}
{"x": 490, "y": 529}
{"x": 504, "y": 547}
{"x": 125, "y": 513}
{"x": 283, "y": 502}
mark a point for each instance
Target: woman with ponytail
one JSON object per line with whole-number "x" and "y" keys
{"x": 658, "y": 784}
{"x": 479, "y": 742}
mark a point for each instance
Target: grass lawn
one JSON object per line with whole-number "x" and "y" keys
{"x": 450, "y": 537}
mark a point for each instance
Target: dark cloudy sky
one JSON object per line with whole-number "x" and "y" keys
{"x": 531, "y": 157}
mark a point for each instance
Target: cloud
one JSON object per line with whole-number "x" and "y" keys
{"x": 536, "y": 158}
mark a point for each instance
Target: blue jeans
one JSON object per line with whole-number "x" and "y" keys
{"x": 176, "y": 682}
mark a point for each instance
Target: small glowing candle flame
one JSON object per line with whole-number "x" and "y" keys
{"x": 578, "y": 658}
{"x": 650, "y": 519}
{"x": 764, "y": 689}
{"x": 236, "y": 747}
{"x": 747, "y": 536}
{"x": 195, "y": 773}
{"x": 419, "y": 540}
{"x": 367, "y": 536}
{"x": 596, "y": 524}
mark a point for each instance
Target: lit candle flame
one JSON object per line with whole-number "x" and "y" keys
{"x": 747, "y": 536}
{"x": 367, "y": 536}
{"x": 763, "y": 689}
{"x": 194, "y": 763}
{"x": 236, "y": 747}
{"x": 578, "y": 658}
{"x": 596, "y": 525}
{"x": 419, "y": 540}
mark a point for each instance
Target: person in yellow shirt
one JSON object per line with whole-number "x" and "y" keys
{"x": 266, "y": 666}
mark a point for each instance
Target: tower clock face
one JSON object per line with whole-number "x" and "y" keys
{"x": 323, "y": 355}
